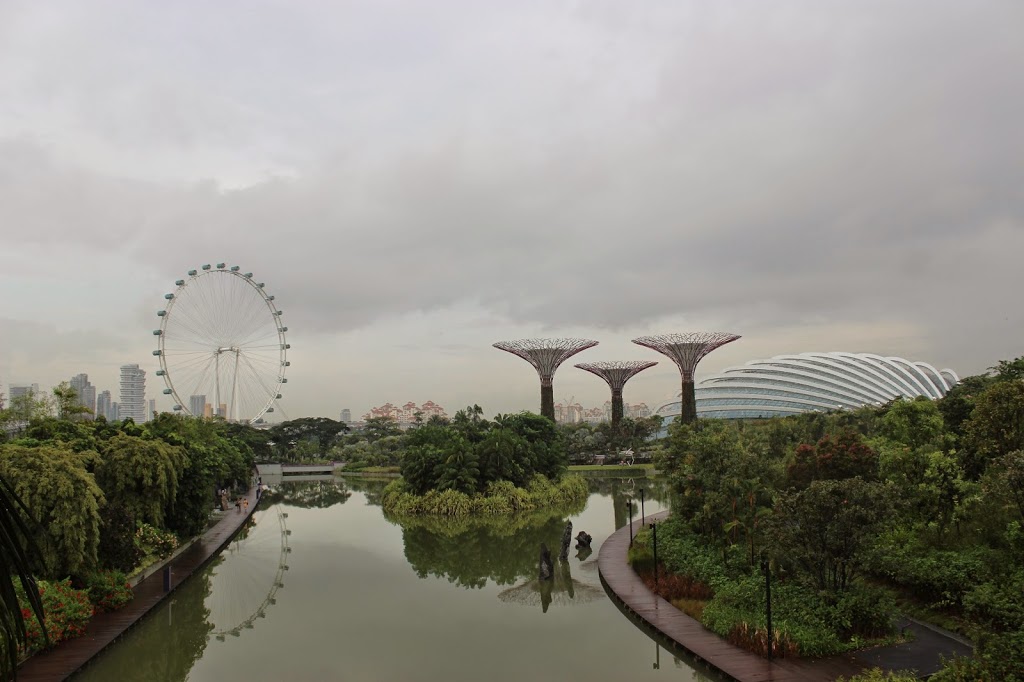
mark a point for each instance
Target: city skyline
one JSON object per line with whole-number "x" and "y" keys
{"x": 815, "y": 176}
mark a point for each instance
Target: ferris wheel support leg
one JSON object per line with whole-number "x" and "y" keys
{"x": 232, "y": 412}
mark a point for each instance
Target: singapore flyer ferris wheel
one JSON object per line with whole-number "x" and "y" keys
{"x": 222, "y": 346}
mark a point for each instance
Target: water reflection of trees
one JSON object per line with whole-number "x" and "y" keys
{"x": 310, "y": 494}
{"x": 623, "y": 489}
{"x": 371, "y": 488}
{"x": 469, "y": 551}
{"x": 172, "y": 640}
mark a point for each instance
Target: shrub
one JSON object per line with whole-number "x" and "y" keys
{"x": 66, "y": 611}
{"x": 998, "y": 658}
{"x": 155, "y": 542}
{"x": 999, "y": 604}
{"x": 865, "y": 612}
{"x": 501, "y": 498}
{"x": 108, "y": 590}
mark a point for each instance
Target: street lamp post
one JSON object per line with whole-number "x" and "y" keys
{"x": 629, "y": 511}
{"x": 643, "y": 516}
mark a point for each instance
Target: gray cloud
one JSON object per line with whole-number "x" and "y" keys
{"x": 763, "y": 168}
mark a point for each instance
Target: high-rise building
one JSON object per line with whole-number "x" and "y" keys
{"x": 151, "y": 412}
{"x": 85, "y": 394}
{"x": 346, "y": 416}
{"x": 133, "y": 393}
{"x": 222, "y": 411}
{"x": 208, "y": 411}
{"x": 115, "y": 412}
{"x": 104, "y": 404}
{"x": 197, "y": 405}
{"x": 20, "y": 390}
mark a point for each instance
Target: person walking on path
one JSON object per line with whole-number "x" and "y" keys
{"x": 245, "y": 504}
{"x": 238, "y": 504}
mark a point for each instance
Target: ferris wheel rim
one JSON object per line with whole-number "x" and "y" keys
{"x": 274, "y": 390}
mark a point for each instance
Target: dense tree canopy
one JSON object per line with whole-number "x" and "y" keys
{"x": 63, "y": 498}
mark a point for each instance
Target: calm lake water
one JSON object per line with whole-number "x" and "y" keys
{"x": 321, "y": 586}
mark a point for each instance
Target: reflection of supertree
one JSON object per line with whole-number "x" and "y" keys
{"x": 563, "y": 590}
{"x": 616, "y": 374}
{"x": 546, "y": 355}
{"x": 686, "y": 350}
{"x": 310, "y": 494}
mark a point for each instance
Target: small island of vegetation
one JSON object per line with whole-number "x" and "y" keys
{"x": 470, "y": 465}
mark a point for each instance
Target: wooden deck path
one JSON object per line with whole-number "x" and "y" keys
{"x": 730, "y": 660}
{"x": 104, "y": 628}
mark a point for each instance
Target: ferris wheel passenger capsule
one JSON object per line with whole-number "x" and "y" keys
{"x": 235, "y": 268}
{"x": 176, "y": 408}
{"x": 160, "y": 372}
{"x": 206, "y": 267}
{"x": 161, "y": 313}
{"x": 168, "y": 296}
{"x": 157, "y": 332}
{"x": 220, "y": 266}
{"x": 157, "y": 353}
{"x": 248, "y": 275}
{"x": 167, "y": 391}
{"x": 179, "y": 282}
{"x": 192, "y": 273}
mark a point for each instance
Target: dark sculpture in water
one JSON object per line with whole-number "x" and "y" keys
{"x": 547, "y": 567}
{"x": 583, "y": 539}
{"x": 566, "y": 539}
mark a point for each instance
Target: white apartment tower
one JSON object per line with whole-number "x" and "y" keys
{"x": 133, "y": 393}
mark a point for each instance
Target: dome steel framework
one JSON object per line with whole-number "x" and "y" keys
{"x": 791, "y": 384}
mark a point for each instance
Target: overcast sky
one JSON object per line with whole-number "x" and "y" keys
{"x": 416, "y": 180}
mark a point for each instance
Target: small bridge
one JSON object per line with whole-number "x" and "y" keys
{"x": 275, "y": 471}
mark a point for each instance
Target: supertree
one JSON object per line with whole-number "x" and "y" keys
{"x": 616, "y": 374}
{"x": 686, "y": 350}
{"x": 546, "y": 355}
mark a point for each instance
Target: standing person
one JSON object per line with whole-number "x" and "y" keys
{"x": 238, "y": 504}
{"x": 245, "y": 503}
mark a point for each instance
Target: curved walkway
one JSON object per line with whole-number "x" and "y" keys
{"x": 923, "y": 654}
{"x": 689, "y": 635}
{"x": 104, "y": 628}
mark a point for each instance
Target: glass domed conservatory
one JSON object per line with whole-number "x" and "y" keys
{"x": 790, "y": 384}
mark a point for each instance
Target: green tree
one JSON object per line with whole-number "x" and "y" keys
{"x": 376, "y": 428}
{"x": 504, "y": 456}
{"x": 65, "y": 399}
{"x": 995, "y": 428}
{"x": 141, "y": 475}
{"x": 915, "y": 423}
{"x": 459, "y": 471}
{"x": 63, "y": 498}
{"x": 824, "y": 529}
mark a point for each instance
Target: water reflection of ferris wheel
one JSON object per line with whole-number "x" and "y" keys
{"x": 248, "y": 574}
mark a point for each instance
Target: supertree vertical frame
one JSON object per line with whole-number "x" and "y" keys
{"x": 546, "y": 355}
{"x": 686, "y": 350}
{"x": 616, "y": 374}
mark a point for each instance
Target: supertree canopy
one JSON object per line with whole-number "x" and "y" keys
{"x": 546, "y": 355}
{"x": 616, "y": 374}
{"x": 686, "y": 350}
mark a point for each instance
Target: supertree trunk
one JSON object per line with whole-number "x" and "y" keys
{"x": 616, "y": 408}
{"x": 547, "y": 399}
{"x": 688, "y": 403}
